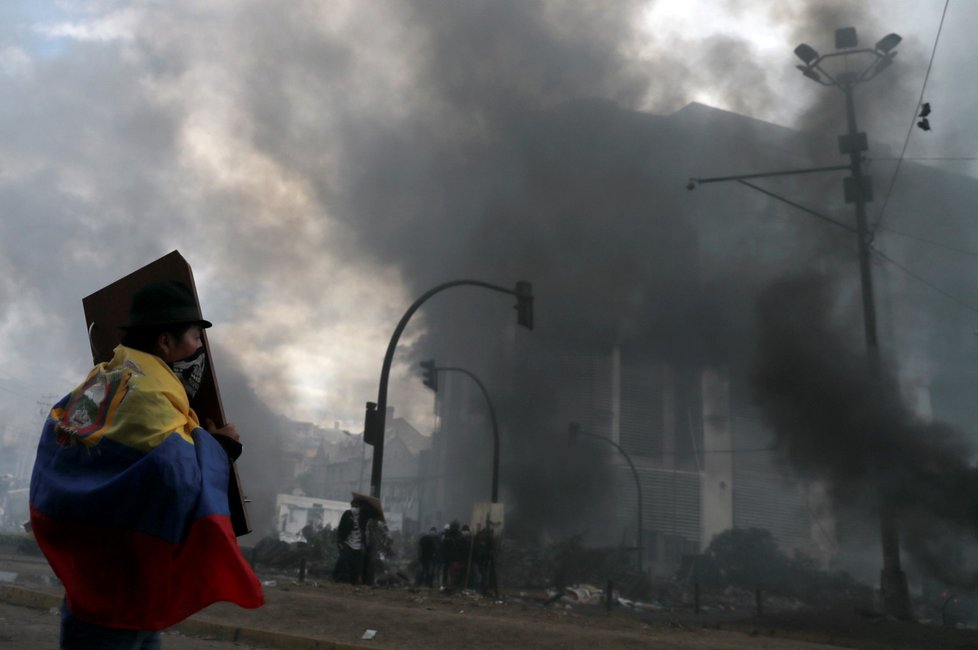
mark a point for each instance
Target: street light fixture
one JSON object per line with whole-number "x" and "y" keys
{"x": 808, "y": 72}
{"x": 846, "y": 42}
{"x": 573, "y": 433}
{"x": 431, "y": 381}
{"x": 888, "y": 42}
{"x": 846, "y": 38}
{"x": 806, "y": 53}
{"x": 376, "y": 412}
{"x": 858, "y": 189}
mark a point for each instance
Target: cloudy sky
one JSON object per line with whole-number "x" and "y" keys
{"x": 287, "y": 150}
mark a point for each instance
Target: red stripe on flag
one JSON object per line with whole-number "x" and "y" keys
{"x": 131, "y": 580}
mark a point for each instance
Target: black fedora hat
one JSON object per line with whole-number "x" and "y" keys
{"x": 164, "y": 303}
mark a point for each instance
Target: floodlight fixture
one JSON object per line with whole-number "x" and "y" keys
{"x": 808, "y": 72}
{"x": 885, "y": 62}
{"x": 888, "y": 42}
{"x": 806, "y": 53}
{"x": 845, "y": 38}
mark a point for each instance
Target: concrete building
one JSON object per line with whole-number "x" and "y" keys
{"x": 686, "y": 416}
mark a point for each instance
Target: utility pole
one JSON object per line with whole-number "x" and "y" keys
{"x": 858, "y": 190}
{"x": 893, "y": 581}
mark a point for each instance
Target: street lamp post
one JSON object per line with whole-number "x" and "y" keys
{"x": 431, "y": 382}
{"x": 376, "y": 413}
{"x": 859, "y": 190}
{"x": 572, "y": 433}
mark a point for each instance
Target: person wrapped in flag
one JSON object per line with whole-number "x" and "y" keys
{"x": 128, "y": 496}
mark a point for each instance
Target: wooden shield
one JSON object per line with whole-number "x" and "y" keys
{"x": 107, "y": 310}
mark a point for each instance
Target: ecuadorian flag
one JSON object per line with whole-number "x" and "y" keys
{"x": 129, "y": 501}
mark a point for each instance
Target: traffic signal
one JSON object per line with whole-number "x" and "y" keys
{"x": 524, "y": 304}
{"x": 430, "y": 376}
{"x": 371, "y": 425}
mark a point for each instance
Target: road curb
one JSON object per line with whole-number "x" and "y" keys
{"x": 24, "y": 597}
{"x": 14, "y": 595}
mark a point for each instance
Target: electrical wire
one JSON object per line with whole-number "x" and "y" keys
{"x": 817, "y": 215}
{"x": 931, "y": 158}
{"x": 931, "y": 242}
{"x": 829, "y": 539}
{"x": 913, "y": 121}
{"x": 13, "y": 392}
{"x": 925, "y": 282}
{"x": 713, "y": 451}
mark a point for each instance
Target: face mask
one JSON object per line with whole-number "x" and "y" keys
{"x": 190, "y": 371}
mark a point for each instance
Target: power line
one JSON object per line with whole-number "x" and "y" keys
{"x": 965, "y": 158}
{"x": 925, "y": 282}
{"x": 882, "y": 255}
{"x": 931, "y": 242}
{"x": 813, "y": 213}
{"x": 712, "y": 451}
{"x": 913, "y": 119}
{"x": 15, "y": 393}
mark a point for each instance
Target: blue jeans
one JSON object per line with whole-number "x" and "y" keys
{"x": 79, "y": 635}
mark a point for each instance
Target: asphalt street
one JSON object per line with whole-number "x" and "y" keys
{"x": 28, "y": 628}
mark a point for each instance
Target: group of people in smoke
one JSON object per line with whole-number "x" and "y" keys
{"x": 457, "y": 557}
{"x": 454, "y": 557}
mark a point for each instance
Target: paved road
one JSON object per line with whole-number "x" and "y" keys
{"x": 26, "y": 628}
{"x": 298, "y": 616}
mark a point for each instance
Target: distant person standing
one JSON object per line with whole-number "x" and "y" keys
{"x": 373, "y": 540}
{"x": 349, "y": 540}
{"x": 453, "y": 555}
{"x": 373, "y": 533}
{"x": 464, "y": 552}
{"x": 427, "y": 549}
{"x": 441, "y": 557}
{"x": 483, "y": 554}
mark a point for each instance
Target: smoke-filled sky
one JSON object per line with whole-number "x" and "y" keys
{"x": 307, "y": 158}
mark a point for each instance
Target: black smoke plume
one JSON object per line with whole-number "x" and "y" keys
{"x": 837, "y": 419}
